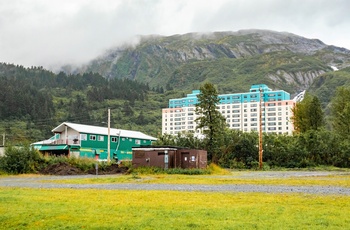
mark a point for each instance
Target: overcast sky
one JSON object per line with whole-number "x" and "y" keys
{"x": 55, "y": 32}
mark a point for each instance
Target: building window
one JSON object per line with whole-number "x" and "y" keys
{"x": 113, "y": 139}
{"x": 92, "y": 137}
{"x": 83, "y": 137}
{"x": 101, "y": 138}
{"x": 138, "y": 142}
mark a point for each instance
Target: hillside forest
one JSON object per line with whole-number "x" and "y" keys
{"x": 33, "y": 101}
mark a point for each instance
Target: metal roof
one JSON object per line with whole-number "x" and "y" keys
{"x": 102, "y": 131}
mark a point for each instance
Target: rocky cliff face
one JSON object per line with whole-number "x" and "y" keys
{"x": 162, "y": 60}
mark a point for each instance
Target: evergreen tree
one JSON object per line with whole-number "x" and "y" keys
{"x": 141, "y": 120}
{"x": 210, "y": 119}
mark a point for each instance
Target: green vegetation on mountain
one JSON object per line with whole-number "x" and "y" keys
{"x": 324, "y": 86}
{"x": 31, "y": 107}
{"x": 231, "y": 60}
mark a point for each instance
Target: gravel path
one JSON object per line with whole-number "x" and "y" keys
{"x": 37, "y": 182}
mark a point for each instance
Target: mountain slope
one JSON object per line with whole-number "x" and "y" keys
{"x": 232, "y": 60}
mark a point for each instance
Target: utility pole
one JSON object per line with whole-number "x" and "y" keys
{"x": 260, "y": 132}
{"x": 109, "y": 137}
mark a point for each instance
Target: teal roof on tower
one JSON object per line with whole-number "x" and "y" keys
{"x": 252, "y": 96}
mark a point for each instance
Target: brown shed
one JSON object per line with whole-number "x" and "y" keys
{"x": 169, "y": 157}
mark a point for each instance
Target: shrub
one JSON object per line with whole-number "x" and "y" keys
{"x": 234, "y": 164}
{"x": 18, "y": 160}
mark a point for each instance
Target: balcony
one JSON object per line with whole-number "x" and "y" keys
{"x": 69, "y": 142}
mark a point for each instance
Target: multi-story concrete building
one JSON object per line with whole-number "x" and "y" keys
{"x": 241, "y": 110}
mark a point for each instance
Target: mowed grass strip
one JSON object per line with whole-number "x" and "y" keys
{"x": 120, "y": 209}
{"x": 332, "y": 180}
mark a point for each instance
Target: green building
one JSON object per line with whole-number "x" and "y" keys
{"x": 92, "y": 141}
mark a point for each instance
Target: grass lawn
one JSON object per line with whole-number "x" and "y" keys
{"x": 107, "y": 209}
{"x": 123, "y": 209}
{"x": 234, "y": 178}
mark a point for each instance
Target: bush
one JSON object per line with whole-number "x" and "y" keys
{"x": 234, "y": 164}
{"x": 18, "y": 160}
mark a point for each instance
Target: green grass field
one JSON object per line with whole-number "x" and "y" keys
{"x": 24, "y": 208}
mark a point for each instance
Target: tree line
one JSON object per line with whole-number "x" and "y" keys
{"x": 29, "y": 91}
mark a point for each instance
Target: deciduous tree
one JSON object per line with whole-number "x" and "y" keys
{"x": 308, "y": 114}
{"x": 340, "y": 110}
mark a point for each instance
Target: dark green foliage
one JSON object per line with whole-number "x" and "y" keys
{"x": 308, "y": 114}
{"x": 33, "y": 101}
{"x": 210, "y": 120}
{"x": 312, "y": 148}
{"x": 340, "y": 110}
{"x": 181, "y": 139}
{"x": 19, "y": 160}
{"x": 325, "y": 86}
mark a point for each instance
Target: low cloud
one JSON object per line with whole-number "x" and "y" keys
{"x": 58, "y": 32}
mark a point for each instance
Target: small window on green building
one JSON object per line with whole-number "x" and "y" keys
{"x": 113, "y": 139}
{"x": 138, "y": 142}
{"x": 100, "y": 138}
{"x": 83, "y": 137}
{"x": 92, "y": 137}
